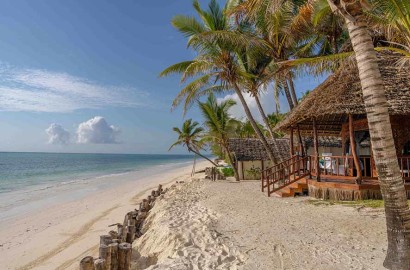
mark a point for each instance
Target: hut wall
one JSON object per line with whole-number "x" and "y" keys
{"x": 249, "y": 166}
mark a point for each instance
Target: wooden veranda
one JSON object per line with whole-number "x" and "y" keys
{"x": 336, "y": 108}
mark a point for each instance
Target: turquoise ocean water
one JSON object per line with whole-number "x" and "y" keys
{"x": 32, "y": 179}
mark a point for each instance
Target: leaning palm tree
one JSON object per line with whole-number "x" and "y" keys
{"x": 382, "y": 142}
{"x": 190, "y": 136}
{"x": 216, "y": 60}
{"x": 220, "y": 126}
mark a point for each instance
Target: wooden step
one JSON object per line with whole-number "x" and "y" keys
{"x": 292, "y": 189}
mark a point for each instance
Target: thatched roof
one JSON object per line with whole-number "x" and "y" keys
{"x": 250, "y": 149}
{"x": 341, "y": 94}
{"x": 324, "y": 141}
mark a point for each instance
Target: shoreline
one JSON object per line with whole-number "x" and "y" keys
{"x": 68, "y": 230}
{"x": 41, "y": 195}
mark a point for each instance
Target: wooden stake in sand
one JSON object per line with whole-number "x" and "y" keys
{"x": 105, "y": 239}
{"x": 99, "y": 264}
{"x": 87, "y": 263}
{"x": 124, "y": 256}
{"x": 105, "y": 253}
{"x": 114, "y": 256}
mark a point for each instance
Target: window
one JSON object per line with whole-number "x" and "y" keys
{"x": 406, "y": 148}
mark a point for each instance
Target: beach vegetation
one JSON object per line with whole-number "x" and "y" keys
{"x": 219, "y": 125}
{"x": 228, "y": 171}
{"x": 190, "y": 136}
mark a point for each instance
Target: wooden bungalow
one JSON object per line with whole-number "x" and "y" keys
{"x": 251, "y": 157}
{"x": 336, "y": 108}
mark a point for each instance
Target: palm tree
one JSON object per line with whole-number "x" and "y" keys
{"x": 382, "y": 142}
{"x": 220, "y": 126}
{"x": 216, "y": 59}
{"x": 190, "y": 136}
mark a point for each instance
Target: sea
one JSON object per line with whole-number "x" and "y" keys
{"x": 31, "y": 181}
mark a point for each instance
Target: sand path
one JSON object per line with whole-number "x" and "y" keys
{"x": 260, "y": 232}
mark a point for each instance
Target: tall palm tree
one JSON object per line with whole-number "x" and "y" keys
{"x": 220, "y": 126}
{"x": 382, "y": 142}
{"x": 216, "y": 59}
{"x": 191, "y": 136}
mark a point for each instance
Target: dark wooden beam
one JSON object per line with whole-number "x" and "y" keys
{"x": 292, "y": 146}
{"x": 316, "y": 146}
{"x": 302, "y": 150}
{"x": 353, "y": 147}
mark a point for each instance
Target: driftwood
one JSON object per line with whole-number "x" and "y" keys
{"x": 87, "y": 263}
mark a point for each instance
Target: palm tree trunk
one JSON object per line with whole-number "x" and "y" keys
{"x": 254, "y": 125}
{"x": 199, "y": 154}
{"x": 233, "y": 164}
{"x": 287, "y": 94}
{"x": 292, "y": 90}
{"x": 264, "y": 117}
{"x": 382, "y": 141}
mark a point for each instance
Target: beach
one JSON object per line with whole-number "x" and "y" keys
{"x": 229, "y": 225}
{"x": 59, "y": 235}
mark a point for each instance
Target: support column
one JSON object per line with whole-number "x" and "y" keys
{"x": 292, "y": 146}
{"x": 302, "y": 151}
{"x": 353, "y": 147}
{"x": 316, "y": 146}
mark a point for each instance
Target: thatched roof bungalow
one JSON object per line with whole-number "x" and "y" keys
{"x": 336, "y": 108}
{"x": 251, "y": 157}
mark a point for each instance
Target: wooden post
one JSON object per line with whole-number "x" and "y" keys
{"x": 114, "y": 256}
{"x": 292, "y": 146}
{"x": 302, "y": 151}
{"x": 105, "y": 239}
{"x": 353, "y": 147}
{"x": 316, "y": 146}
{"x": 105, "y": 253}
{"x": 124, "y": 256}
{"x": 99, "y": 264}
{"x": 87, "y": 263}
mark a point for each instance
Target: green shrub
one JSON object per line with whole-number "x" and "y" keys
{"x": 227, "y": 171}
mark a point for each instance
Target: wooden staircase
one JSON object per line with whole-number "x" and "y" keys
{"x": 297, "y": 188}
{"x": 287, "y": 178}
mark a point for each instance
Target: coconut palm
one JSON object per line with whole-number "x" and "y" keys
{"x": 220, "y": 126}
{"x": 382, "y": 142}
{"x": 190, "y": 136}
{"x": 216, "y": 60}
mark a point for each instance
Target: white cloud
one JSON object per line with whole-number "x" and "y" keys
{"x": 267, "y": 101}
{"x": 45, "y": 91}
{"x": 57, "y": 134}
{"x": 96, "y": 130}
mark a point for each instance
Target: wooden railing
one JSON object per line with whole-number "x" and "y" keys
{"x": 269, "y": 171}
{"x": 404, "y": 164}
{"x": 285, "y": 173}
{"x": 331, "y": 167}
{"x": 342, "y": 167}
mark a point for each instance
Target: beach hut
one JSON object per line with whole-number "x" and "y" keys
{"x": 251, "y": 157}
{"x": 336, "y": 109}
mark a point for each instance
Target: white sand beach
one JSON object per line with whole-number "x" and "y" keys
{"x": 58, "y": 237}
{"x": 228, "y": 225}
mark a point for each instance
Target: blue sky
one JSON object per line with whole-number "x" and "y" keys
{"x": 91, "y": 69}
